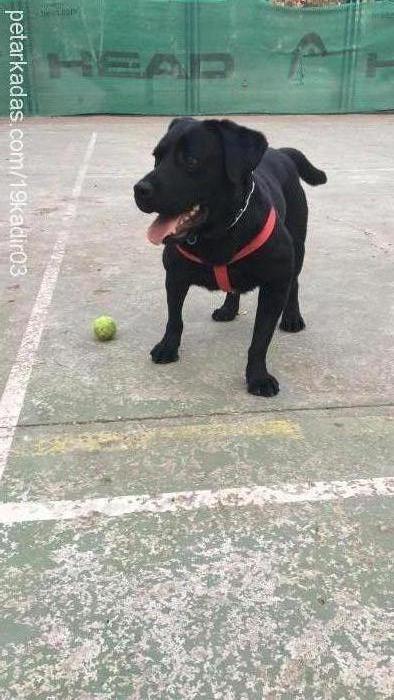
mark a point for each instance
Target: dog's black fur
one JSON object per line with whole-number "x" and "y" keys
{"x": 212, "y": 163}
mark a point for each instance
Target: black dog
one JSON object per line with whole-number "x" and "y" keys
{"x": 232, "y": 215}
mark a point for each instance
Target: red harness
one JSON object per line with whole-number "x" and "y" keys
{"x": 221, "y": 271}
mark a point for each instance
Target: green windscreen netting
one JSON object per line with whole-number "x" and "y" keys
{"x": 198, "y": 56}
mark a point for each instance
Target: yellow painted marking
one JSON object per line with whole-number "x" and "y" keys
{"x": 141, "y": 438}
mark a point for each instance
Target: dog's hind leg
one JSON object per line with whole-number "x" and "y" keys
{"x": 229, "y": 310}
{"x": 296, "y": 223}
{"x": 292, "y": 321}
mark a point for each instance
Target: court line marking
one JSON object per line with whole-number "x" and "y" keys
{"x": 258, "y": 496}
{"x": 255, "y": 427}
{"x": 13, "y": 397}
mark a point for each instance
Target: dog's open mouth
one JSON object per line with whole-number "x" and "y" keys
{"x": 178, "y": 226}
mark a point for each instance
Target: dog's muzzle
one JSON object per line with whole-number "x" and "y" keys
{"x": 143, "y": 195}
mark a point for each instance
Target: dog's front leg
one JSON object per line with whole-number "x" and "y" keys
{"x": 167, "y": 349}
{"x": 272, "y": 299}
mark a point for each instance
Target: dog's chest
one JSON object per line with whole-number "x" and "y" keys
{"x": 239, "y": 276}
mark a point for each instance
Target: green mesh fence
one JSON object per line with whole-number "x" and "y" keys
{"x": 199, "y": 56}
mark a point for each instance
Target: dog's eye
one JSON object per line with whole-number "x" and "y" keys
{"x": 158, "y": 156}
{"x": 191, "y": 162}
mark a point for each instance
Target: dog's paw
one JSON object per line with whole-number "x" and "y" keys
{"x": 292, "y": 324}
{"x": 164, "y": 353}
{"x": 224, "y": 314}
{"x": 266, "y": 386}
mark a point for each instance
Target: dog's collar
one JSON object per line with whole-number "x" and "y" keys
{"x": 221, "y": 272}
{"x": 193, "y": 237}
{"x": 244, "y": 208}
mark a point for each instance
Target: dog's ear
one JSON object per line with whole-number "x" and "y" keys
{"x": 243, "y": 148}
{"x": 174, "y": 123}
{"x": 179, "y": 120}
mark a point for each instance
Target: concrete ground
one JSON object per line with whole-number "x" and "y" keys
{"x": 265, "y": 570}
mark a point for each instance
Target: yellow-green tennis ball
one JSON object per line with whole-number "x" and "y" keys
{"x": 104, "y": 328}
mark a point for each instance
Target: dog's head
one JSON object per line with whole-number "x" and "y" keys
{"x": 199, "y": 179}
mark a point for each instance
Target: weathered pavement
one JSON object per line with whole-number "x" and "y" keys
{"x": 211, "y": 596}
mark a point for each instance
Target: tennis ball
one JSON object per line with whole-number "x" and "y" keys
{"x": 104, "y": 328}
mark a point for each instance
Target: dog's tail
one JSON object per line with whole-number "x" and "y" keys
{"x": 306, "y": 170}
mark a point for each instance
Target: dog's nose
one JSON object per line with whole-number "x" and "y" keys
{"x": 143, "y": 189}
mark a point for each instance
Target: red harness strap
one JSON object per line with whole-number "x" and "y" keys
{"x": 221, "y": 271}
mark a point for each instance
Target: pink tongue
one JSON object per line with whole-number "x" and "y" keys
{"x": 161, "y": 228}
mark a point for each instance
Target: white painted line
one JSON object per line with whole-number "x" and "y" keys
{"x": 316, "y": 492}
{"x": 14, "y": 393}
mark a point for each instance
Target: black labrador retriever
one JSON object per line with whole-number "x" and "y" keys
{"x": 233, "y": 215}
